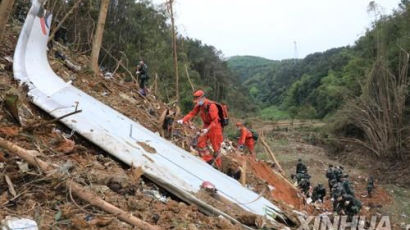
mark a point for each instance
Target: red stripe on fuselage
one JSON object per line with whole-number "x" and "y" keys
{"x": 43, "y": 25}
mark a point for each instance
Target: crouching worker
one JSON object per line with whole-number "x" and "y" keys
{"x": 211, "y": 130}
{"x": 246, "y": 139}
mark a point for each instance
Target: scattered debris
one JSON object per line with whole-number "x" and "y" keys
{"x": 209, "y": 187}
{"x": 155, "y": 194}
{"x": 10, "y": 131}
{"x": 15, "y": 223}
{"x": 11, "y": 104}
{"x": 11, "y": 186}
{"x": 65, "y": 146}
{"x": 23, "y": 166}
{"x": 74, "y": 187}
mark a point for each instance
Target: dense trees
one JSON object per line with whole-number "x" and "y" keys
{"x": 136, "y": 30}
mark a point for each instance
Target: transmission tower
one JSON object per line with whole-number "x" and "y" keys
{"x": 295, "y": 54}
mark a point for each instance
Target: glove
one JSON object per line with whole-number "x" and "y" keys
{"x": 180, "y": 121}
{"x": 204, "y": 131}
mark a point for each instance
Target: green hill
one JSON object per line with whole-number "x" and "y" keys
{"x": 247, "y": 66}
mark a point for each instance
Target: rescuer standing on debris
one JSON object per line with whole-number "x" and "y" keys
{"x": 246, "y": 138}
{"x": 142, "y": 73}
{"x": 211, "y": 130}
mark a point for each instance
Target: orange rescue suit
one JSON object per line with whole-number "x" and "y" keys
{"x": 208, "y": 112}
{"x": 246, "y": 139}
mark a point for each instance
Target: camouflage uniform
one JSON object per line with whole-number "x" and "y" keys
{"x": 351, "y": 206}
{"x": 300, "y": 167}
{"x": 347, "y": 187}
{"x": 330, "y": 175}
{"x": 319, "y": 192}
{"x": 337, "y": 195}
{"x": 370, "y": 187}
{"x": 304, "y": 185}
{"x": 338, "y": 173}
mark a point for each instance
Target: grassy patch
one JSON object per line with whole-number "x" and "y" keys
{"x": 274, "y": 113}
{"x": 401, "y": 199}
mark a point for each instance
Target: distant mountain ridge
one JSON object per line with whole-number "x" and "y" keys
{"x": 246, "y": 66}
{"x": 289, "y": 82}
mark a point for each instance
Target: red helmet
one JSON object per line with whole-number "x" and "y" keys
{"x": 199, "y": 93}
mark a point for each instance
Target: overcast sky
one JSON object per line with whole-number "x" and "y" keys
{"x": 268, "y": 28}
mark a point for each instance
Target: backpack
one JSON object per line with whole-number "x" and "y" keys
{"x": 255, "y": 135}
{"x": 222, "y": 113}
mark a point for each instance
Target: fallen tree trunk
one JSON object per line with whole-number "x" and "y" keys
{"x": 77, "y": 189}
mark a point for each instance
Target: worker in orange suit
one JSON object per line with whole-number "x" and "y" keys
{"x": 246, "y": 139}
{"x": 211, "y": 130}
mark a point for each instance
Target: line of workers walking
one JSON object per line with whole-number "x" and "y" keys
{"x": 342, "y": 194}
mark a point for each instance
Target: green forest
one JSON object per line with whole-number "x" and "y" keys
{"x": 316, "y": 86}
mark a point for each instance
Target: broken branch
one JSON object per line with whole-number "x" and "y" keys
{"x": 11, "y": 187}
{"x": 52, "y": 121}
{"x": 189, "y": 79}
{"x": 118, "y": 61}
{"x": 267, "y": 148}
{"x": 63, "y": 20}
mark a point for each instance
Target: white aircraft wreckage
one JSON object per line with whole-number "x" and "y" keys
{"x": 169, "y": 166}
